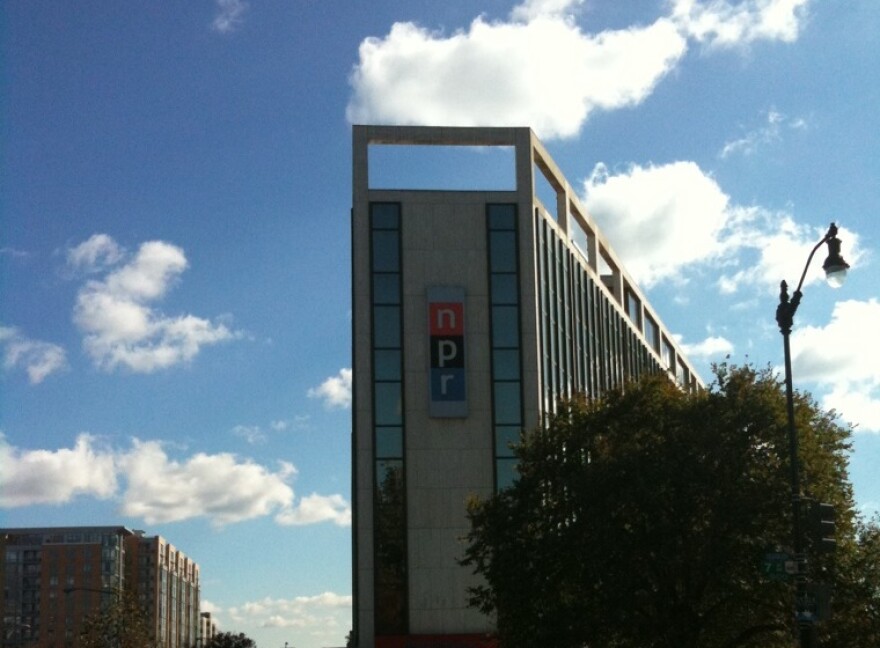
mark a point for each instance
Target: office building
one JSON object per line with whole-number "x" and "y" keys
{"x": 55, "y": 578}
{"x": 474, "y": 311}
{"x": 207, "y": 628}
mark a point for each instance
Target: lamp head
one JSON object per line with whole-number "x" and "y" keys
{"x": 835, "y": 267}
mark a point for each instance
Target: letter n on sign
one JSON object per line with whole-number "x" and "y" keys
{"x": 448, "y": 388}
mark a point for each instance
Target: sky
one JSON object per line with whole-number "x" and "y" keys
{"x": 175, "y": 317}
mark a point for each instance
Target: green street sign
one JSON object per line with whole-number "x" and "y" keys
{"x": 778, "y": 566}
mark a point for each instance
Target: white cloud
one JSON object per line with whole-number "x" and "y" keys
{"x": 315, "y": 508}
{"x": 766, "y": 134}
{"x": 29, "y": 477}
{"x": 115, "y": 314}
{"x": 666, "y": 221}
{"x": 538, "y": 70}
{"x": 713, "y": 345}
{"x": 533, "y": 9}
{"x": 323, "y": 614}
{"x": 97, "y": 252}
{"x": 14, "y": 253}
{"x": 39, "y": 359}
{"x": 857, "y": 403}
{"x": 844, "y": 355}
{"x": 726, "y": 23}
{"x": 253, "y": 434}
{"x": 660, "y": 219}
{"x": 229, "y": 15}
{"x": 220, "y": 487}
{"x": 297, "y": 423}
{"x": 781, "y": 248}
{"x": 335, "y": 391}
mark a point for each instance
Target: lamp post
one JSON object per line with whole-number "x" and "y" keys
{"x": 835, "y": 270}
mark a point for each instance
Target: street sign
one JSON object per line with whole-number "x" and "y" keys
{"x": 779, "y": 566}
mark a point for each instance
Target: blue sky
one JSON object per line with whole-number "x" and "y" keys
{"x": 175, "y": 195}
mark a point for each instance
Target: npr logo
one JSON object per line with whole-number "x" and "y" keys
{"x": 448, "y": 393}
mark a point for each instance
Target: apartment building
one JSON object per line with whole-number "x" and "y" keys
{"x": 56, "y": 577}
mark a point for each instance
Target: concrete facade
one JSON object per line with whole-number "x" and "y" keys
{"x": 544, "y": 317}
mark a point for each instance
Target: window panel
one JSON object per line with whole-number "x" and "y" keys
{"x": 386, "y": 288}
{"x": 505, "y": 364}
{"x": 386, "y": 326}
{"x": 504, "y": 289}
{"x": 502, "y": 217}
{"x": 505, "y": 437}
{"x": 386, "y": 364}
{"x": 389, "y": 484}
{"x": 389, "y": 442}
{"x": 502, "y": 251}
{"x": 387, "y": 404}
{"x": 505, "y": 326}
{"x": 386, "y": 251}
{"x": 507, "y": 403}
{"x": 385, "y": 215}
{"x": 505, "y": 473}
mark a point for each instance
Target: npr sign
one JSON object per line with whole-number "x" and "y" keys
{"x": 447, "y": 384}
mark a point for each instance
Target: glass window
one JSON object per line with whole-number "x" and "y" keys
{"x": 504, "y": 289}
{"x": 387, "y": 408}
{"x": 386, "y": 326}
{"x": 387, "y": 364}
{"x": 389, "y": 478}
{"x": 633, "y": 308}
{"x": 386, "y": 253}
{"x": 651, "y": 332}
{"x": 507, "y": 403}
{"x": 386, "y": 288}
{"x": 505, "y": 364}
{"x": 385, "y": 215}
{"x": 505, "y": 437}
{"x": 502, "y": 251}
{"x": 505, "y": 473}
{"x": 668, "y": 356}
{"x": 502, "y": 217}
{"x": 505, "y": 326}
{"x": 389, "y": 442}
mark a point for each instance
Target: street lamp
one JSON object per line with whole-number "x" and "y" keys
{"x": 835, "y": 271}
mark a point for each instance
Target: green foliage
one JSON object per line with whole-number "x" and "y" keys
{"x": 231, "y": 640}
{"x": 855, "y": 619}
{"x": 121, "y": 624}
{"x": 641, "y": 520}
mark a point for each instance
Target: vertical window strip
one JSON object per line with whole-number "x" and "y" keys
{"x": 546, "y": 331}
{"x": 506, "y": 385}
{"x": 557, "y": 321}
{"x": 569, "y": 340}
{"x": 578, "y": 299}
{"x": 590, "y": 324}
{"x": 389, "y": 502}
{"x": 554, "y": 317}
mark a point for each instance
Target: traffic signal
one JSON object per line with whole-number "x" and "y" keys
{"x": 823, "y": 527}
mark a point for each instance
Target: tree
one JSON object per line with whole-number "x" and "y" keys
{"x": 855, "y": 619}
{"x": 231, "y": 640}
{"x": 121, "y": 624}
{"x": 642, "y": 519}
